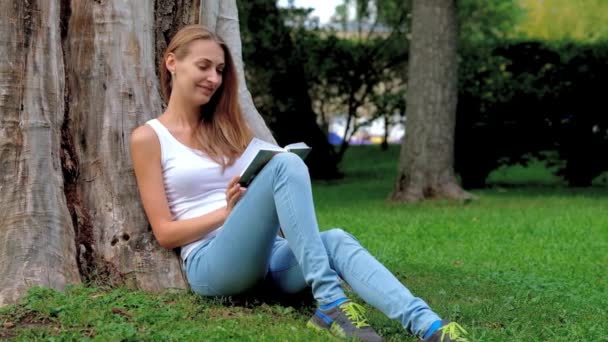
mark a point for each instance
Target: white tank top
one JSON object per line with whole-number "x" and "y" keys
{"x": 194, "y": 183}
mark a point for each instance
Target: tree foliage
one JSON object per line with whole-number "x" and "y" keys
{"x": 360, "y": 78}
{"x": 529, "y": 98}
{"x": 564, "y": 20}
{"x": 484, "y": 22}
{"x": 517, "y": 98}
{"x": 279, "y": 84}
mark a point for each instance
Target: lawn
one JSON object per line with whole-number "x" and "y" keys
{"x": 522, "y": 263}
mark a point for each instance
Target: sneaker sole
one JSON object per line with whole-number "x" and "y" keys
{"x": 315, "y": 327}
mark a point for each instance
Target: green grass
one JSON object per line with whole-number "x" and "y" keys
{"x": 522, "y": 263}
{"x": 564, "y": 20}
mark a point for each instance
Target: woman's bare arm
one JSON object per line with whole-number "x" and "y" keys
{"x": 145, "y": 153}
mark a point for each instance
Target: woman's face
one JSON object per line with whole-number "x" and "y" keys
{"x": 199, "y": 74}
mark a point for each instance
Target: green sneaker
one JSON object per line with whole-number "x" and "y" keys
{"x": 449, "y": 332}
{"x": 346, "y": 321}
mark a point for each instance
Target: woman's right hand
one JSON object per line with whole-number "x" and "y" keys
{"x": 234, "y": 191}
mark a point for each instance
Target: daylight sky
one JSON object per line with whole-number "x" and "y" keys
{"x": 324, "y": 9}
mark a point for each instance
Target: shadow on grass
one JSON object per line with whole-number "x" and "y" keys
{"x": 267, "y": 294}
{"x": 495, "y": 306}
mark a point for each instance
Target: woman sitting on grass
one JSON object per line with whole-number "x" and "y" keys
{"x": 184, "y": 164}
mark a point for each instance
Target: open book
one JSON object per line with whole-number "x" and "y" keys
{"x": 259, "y": 152}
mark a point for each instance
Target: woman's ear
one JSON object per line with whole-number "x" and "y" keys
{"x": 170, "y": 62}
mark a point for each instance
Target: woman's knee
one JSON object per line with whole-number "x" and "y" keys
{"x": 334, "y": 238}
{"x": 288, "y": 158}
{"x": 289, "y": 163}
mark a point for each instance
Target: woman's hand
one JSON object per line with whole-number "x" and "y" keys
{"x": 233, "y": 193}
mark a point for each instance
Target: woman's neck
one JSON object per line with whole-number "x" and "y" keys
{"x": 181, "y": 113}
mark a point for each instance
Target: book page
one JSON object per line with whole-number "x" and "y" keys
{"x": 261, "y": 144}
{"x": 296, "y": 145}
{"x": 301, "y": 149}
{"x": 259, "y": 152}
{"x": 255, "y": 156}
{"x": 250, "y": 152}
{"x": 256, "y": 165}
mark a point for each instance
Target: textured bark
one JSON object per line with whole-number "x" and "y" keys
{"x": 427, "y": 153}
{"x": 170, "y": 16}
{"x": 36, "y": 234}
{"x": 222, "y": 17}
{"x": 110, "y": 51}
{"x": 69, "y": 205}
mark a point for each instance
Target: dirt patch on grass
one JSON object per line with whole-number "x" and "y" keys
{"x": 7, "y": 331}
{"x": 28, "y": 320}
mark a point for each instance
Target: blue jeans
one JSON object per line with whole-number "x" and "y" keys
{"x": 248, "y": 250}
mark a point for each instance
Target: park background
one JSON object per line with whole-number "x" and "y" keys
{"x": 516, "y": 253}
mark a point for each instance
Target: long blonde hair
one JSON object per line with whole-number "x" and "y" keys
{"x": 222, "y": 131}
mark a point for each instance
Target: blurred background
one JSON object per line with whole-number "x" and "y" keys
{"x": 531, "y": 83}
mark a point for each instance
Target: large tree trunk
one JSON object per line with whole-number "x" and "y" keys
{"x": 69, "y": 202}
{"x": 36, "y": 234}
{"x": 222, "y": 17}
{"x": 113, "y": 88}
{"x": 427, "y": 153}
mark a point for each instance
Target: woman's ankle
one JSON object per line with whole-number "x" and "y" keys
{"x": 332, "y": 304}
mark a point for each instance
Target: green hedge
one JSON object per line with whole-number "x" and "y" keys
{"x": 520, "y": 99}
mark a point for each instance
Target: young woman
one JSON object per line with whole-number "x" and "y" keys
{"x": 184, "y": 162}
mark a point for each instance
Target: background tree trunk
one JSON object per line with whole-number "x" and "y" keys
{"x": 36, "y": 233}
{"x": 70, "y": 209}
{"x": 427, "y": 153}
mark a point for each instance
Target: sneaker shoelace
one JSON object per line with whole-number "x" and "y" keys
{"x": 356, "y": 314}
{"x": 454, "y": 331}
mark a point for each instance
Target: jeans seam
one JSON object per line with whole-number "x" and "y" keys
{"x": 379, "y": 290}
{"x": 299, "y": 236}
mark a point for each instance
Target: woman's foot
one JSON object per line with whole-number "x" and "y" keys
{"x": 346, "y": 320}
{"x": 448, "y": 332}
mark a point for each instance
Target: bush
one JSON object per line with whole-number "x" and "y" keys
{"x": 518, "y": 99}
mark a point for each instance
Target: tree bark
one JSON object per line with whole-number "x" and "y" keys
{"x": 36, "y": 233}
{"x": 427, "y": 153}
{"x": 76, "y": 77}
{"x": 113, "y": 88}
{"x": 170, "y": 16}
{"x": 222, "y": 17}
